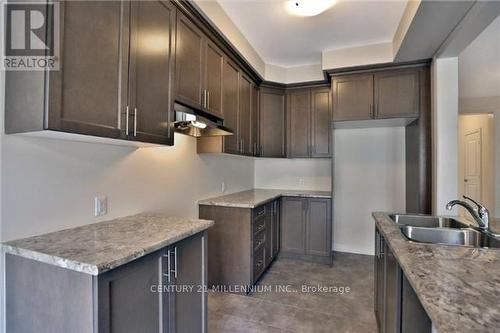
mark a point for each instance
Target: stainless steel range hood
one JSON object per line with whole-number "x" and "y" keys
{"x": 197, "y": 123}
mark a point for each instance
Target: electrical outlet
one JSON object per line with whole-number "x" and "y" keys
{"x": 223, "y": 187}
{"x": 100, "y": 206}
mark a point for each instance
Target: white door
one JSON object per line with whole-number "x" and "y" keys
{"x": 472, "y": 165}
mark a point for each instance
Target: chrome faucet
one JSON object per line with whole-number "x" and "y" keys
{"x": 480, "y": 214}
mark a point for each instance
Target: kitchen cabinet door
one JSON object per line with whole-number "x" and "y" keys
{"x": 272, "y": 122}
{"x": 318, "y": 227}
{"x": 299, "y": 114}
{"x": 214, "y": 68}
{"x": 125, "y": 300}
{"x": 189, "y": 65}
{"x": 392, "y": 292}
{"x": 352, "y": 97}
{"x": 321, "y": 118}
{"x": 188, "y": 308}
{"x": 379, "y": 286}
{"x": 255, "y": 120}
{"x": 245, "y": 115}
{"x": 231, "y": 105}
{"x": 293, "y": 221}
{"x": 89, "y": 92}
{"x": 151, "y": 71}
{"x": 397, "y": 94}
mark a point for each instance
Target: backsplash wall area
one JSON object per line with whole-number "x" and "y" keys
{"x": 289, "y": 174}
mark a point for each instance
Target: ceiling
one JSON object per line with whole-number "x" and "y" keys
{"x": 479, "y": 64}
{"x": 285, "y": 40}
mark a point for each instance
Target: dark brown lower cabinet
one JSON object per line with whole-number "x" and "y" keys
{"x": 243, "y": 244}
{"x": 397, "y": 308}
{"x": 136, "y": 297}
{"x": 306, "y": 229}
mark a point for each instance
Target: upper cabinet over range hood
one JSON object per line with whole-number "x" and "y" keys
{"x": 196, "y": 123}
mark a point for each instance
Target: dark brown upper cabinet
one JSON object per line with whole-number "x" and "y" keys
{"x": 189, "y": 63}
{"x": 299, "y": 116}
{"x": 214, "y": 68}
{"x": 272, "y": 122}
{"x": 245, "y": 115}
{"x": 321, "y": 118}
{"x": 89, "y": 91}
{"x": 199, "y": 69}
{"x": 231, "y": 104}
{"x": 151, "y": 71}
{"x": 255, "y": 120}
{"x": 352, "y": 97}
{"x": 309, "y": 119}
{"x": 396, "y": 94}
{"x": 386, "y": 94}
{"x": 114, "y": 79}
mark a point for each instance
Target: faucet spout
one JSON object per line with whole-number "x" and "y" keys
{"x": 479, "y": 214}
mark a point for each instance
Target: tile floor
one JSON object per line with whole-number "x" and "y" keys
{"x": 274, "y": 311}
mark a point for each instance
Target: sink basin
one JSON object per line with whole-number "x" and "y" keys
{"x": 464, "y": 237}
{"x": 427, "y": 221}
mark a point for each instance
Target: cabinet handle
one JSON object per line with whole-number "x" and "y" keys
{"x": 261, "y": 151}
{"x": 127, "y": 114}
{"x": 167, "y": 275}
{"x": 175, "y": 262}
{"x": 371, "y": 111}
{"x": 135, "y": 121}
{"x": 208, "y": 100}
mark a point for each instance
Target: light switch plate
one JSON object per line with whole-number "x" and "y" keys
{"x": 100, "y": 206}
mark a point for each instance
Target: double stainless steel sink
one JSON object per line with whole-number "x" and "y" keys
{"x": 442, "y": 230}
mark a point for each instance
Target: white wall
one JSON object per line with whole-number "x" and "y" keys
{"x": 357, "y": 56}
{"x": 306, "y": 174}
{"x": 369, "y": 176}
{"x": 445, "y": 132}
{"x": 50, "y": 184}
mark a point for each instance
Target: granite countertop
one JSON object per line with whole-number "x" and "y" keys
{"x": 255, "y": 197}
{"x": 100, "y": 247}
{"x": 459, "y": 287}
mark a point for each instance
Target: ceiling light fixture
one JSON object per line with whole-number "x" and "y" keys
{"x": 308, "y": 7}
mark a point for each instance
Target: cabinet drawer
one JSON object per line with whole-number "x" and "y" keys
{"x": 259, "y": 262}
{"x": 259, "y": 212}
{"x": 259, "y": 225}
{"x": 259, "y": 240}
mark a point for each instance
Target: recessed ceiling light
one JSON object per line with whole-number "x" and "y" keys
{"x": 308, "y": 7}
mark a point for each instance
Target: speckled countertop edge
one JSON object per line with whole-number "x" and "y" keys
{"x": 256, "y": 197}
{"x": 459, "y": 287}
{"x": 107, "y": 255}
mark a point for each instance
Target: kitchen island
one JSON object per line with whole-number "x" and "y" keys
{"x": 113, "y": 276}
{"x": 457, "y": 286}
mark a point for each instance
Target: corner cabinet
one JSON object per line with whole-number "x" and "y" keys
{"x": 139, "y": 296}
{"x": 306, "y": 229}
{"x": 272, "y": 122}
{"x": 385, "y": 94}
{"x": 104, "y": 85}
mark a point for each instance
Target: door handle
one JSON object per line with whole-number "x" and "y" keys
{"x": 135, "y": 121}
{"x": 127, "y": 114}
{"x": 175, "y": 262}
{"x": 167, "y": 275}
